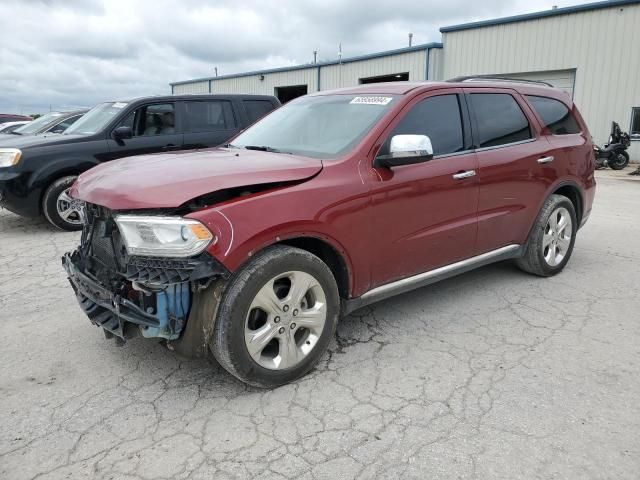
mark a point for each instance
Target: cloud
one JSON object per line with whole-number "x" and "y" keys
{"x": 72, "y": 53}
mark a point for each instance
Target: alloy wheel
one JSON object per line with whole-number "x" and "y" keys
{"x": 557, "y": 237}
{"x": 69, "y": 209}
{"x": 285, "y": 320}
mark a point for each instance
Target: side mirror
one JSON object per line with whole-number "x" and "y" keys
{"x": 122, "y": 133}
{"x": 406, "y": 150}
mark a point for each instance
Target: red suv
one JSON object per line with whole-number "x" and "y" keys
{"x": 334, "y": 201}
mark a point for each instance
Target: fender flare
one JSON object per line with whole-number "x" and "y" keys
{"x": 240, "y": 254}
{"x": 550, "y": 191}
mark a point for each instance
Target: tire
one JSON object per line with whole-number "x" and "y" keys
{"x": 269, "y": 279}
{"x": 54, "y": 194}
{"x": 539, "y": 256}
{"x": 620, "y": 162}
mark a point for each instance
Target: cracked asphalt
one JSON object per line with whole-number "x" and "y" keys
{"x": 491, "y": 375}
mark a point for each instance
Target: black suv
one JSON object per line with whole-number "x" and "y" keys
{"x": 37, "y": 172}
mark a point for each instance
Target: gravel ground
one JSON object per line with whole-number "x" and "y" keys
{"x": 493, "y": 374}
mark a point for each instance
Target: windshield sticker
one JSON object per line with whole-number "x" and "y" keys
{"x": 372, "y": 100}
{"x": 119, "y": 105}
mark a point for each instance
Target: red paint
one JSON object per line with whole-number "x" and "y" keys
{"x": 386, "y": 224}
{"x": 169, "y": 180}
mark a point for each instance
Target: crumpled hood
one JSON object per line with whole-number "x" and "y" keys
{"x": 170, "y": 179}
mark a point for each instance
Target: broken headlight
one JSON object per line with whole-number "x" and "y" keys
{"x": 163, "y": 236}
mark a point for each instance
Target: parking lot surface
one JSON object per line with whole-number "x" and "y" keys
{"x": 493, "y": 374}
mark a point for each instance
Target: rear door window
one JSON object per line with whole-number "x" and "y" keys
{"x": 499, "y": 118}
{"x": 209, "y": 116}
{"x": 555, "y": 115}
{"x": 257, "y": 109}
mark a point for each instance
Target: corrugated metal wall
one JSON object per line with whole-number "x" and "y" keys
{"x": 436, "y": 64}
{"x": 331, "y": 76}
{"x": 195, "y": 87}
{"x": 562, "y": 79}
{"x": 253, "y": 84}
{"x": 601, "y": 45}
{"x": 349, "y": 74}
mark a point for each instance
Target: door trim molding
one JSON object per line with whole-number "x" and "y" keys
{"x": 426, "y": 278}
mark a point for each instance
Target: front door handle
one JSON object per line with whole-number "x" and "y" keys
{"x": 467, "y": 174}
{"x": 548, "y": 159}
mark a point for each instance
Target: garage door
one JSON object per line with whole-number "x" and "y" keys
{"x": 562, "y": 79}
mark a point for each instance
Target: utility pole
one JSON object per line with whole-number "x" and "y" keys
{"x": 410, "y": 39}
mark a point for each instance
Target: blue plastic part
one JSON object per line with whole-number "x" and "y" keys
{"x": 172, "y": 309}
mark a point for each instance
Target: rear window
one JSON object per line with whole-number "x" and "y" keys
{"x": 555, "y": 115}
{"x": 257, "y": 109}
{"x": 500, "y": 119}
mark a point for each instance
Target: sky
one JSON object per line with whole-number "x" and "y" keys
{"x": 64, "y": 54}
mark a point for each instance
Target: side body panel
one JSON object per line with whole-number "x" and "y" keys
{"x": 332, "y": 207}
{"x": 512, "y": 182}
{"x": 422, "y": 216}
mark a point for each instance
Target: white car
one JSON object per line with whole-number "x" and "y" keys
{"x": 9, "y": 127}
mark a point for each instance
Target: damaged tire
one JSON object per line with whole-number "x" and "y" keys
{"x": 277, "y": 317}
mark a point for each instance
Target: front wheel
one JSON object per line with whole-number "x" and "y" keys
{"x": 552, "y": 238}
{"x": 620, "y": 161}
{"x": 277, "y": 317}
{"x": 59, "y": 208}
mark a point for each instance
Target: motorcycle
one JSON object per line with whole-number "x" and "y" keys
{"x": 614, "y": 154}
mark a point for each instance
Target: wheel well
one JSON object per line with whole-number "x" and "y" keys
{"x": 328, "y": 255}
{"x": 573, "y": 194}
{"x": 57, "y": 176}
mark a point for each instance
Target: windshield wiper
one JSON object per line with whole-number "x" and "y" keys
{"x": 15, "y": 133}
{"x": 264, "y": 148}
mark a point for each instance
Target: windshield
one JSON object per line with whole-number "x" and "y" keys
{"x": 321, "y": 127}
{"x": 96, "y": 119}
{"x": 38, "y": 124}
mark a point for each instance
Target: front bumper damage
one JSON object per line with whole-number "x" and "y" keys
{"x": 128, "y": 296}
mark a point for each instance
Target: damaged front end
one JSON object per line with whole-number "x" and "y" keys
{"x": 129, "y": 293}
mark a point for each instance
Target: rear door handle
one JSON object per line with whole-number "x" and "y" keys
{"x": 548, "y": 159}
{"x": 467, "y": 174}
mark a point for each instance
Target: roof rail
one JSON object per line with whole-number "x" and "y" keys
{"x": 480, "y": 78}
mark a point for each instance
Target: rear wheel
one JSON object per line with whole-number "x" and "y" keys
{"x": 277, "y": 317}
{"x": 552, "y": 238}
{"x": 620, "y": 161}
{"x": 59, "y": 208}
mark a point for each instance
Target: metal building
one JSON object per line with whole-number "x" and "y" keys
{"x": 420, "y": 62}
{"x": 587, "y": 50}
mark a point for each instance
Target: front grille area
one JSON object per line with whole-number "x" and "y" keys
{"x": 151, "y": 270}
{"x": 129, "y": 295}
{"x": 103, "y": 250}
{"x": 107, "y": 256}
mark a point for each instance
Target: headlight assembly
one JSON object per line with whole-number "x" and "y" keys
{"x": 163, "y": 236}
{"x": 9, "y": 157}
